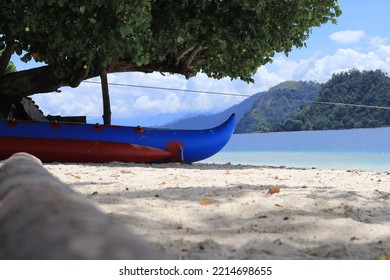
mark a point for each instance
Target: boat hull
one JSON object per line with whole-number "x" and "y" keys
{"x": 103, "y": 143}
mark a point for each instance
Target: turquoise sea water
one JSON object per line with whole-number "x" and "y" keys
{"x": 364, "y": 149}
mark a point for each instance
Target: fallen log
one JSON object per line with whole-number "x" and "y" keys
{"x": 42, "y": 218}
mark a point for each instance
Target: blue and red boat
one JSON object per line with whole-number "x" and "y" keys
{"x": 76, "y": 142}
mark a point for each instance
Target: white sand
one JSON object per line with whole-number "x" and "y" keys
{"x": 208, "y": 211}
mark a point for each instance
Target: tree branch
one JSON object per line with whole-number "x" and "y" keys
{"x": 29, "y": 82}
{"x": 184, "y": 52}
{"x": 194, "y": 53}
{"x": 6, "y": 57}
{"x": 46, "y": 79}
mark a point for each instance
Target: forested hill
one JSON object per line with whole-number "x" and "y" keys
{"x": 370, "y": 88}
{"x": 276, "y": 106}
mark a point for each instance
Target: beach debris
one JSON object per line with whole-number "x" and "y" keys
{"x": 205, "y": 201}
{"x": 353, "y": 238}
{"x": 278, "y": 205}
{"x": 76, "y": 176}
{"x": 278, "y": 241}
{"x": 273, "y": 190}
{"x": 162, "y": 184}
{"x": 179, "y": 226}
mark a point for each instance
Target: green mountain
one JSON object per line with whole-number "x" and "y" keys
{"x": 370, "y": 88}
{"x": 276, "y": 106}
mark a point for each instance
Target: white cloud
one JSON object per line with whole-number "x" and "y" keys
{"x": 347, "y": 36}
{"x": 377, "y": 41}
{"x": 86, "y": 100}
{"x": 322, "y": 69}
{"x": 170, "y": 103}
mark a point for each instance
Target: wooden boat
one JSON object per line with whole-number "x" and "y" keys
{"x": 75, "y": 142}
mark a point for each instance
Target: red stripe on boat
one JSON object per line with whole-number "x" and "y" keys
{"x": 63, "y": 150}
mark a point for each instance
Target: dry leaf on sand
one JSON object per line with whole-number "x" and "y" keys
{"x": 274, "y": 189}
{"x": 205, "y": 202}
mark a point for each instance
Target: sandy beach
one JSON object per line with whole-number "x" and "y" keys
{"x": 210, "y": 211}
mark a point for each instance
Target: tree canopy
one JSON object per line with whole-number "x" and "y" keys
{"x": 78, "y": 39}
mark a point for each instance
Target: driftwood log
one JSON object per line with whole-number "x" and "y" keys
{"x": 42, "y": 218}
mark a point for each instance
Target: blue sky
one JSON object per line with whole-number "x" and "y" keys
{"x": 360, "y": 40}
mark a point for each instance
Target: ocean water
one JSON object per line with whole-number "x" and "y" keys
{"x": 363, "y": 149}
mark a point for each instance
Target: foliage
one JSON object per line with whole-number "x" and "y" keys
{"x": 220, "y": 38}
{"x": 370, "y": 88}
{"x": 276, "y": 106}
{"x": 10, "y": 67}
{"x": 71, "y": 34}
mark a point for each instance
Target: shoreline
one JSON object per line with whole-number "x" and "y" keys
{"x": 370, "y": 161}
{"x": 225, "y": 211}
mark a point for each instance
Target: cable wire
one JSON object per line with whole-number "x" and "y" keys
{"x": 243, "y": 95}
{"x": 174, "y": 89}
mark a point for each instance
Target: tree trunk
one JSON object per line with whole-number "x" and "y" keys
{"x": 44, "y": 79}
{"x": 28, "y": 82}
{"x": 42, "y": 218}
{"x": 6, "y": 57}
{"x": 106, "y": 98}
